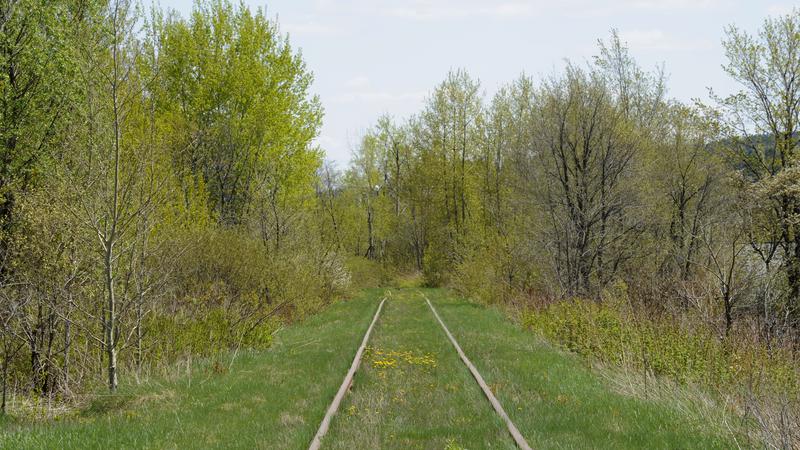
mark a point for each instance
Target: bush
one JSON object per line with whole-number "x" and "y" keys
{"x": 436, "y": 266}
{"x": 495, "y": 269}
{"x": 214, "y": 332}
{"x": 613, "y": 333}
{"x": 367, "y": 273}
{"x": 230, "y": 290}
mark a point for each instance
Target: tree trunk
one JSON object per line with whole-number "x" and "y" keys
{"x": 728, "y": 313}
{"x": 139, "y": 336}
{"x": 111, "y": 236}
{"x": 396, "y": 179}
{"x": 5, "y": 383}
{"x": 110, "y": 320}
{"x": 6, "y": 358}
{"x": 370, "y": 254}
{"x": 67, "y": 344}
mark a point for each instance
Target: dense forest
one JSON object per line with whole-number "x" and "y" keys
{"x": 162, "y": 197}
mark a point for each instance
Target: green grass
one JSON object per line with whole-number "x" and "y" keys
{"x": 412, "y": 391}
{"x": 270, "y": 400}
{"x": 556, "y": 401}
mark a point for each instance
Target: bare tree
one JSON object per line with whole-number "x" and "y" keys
{"x": 729, "y": 264}
{"x": 12, "y": 304}
{"x": 585, "y": 152}
{"x": 114, "y": 184}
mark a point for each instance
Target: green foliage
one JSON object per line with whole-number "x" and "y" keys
{"x": 245, "y": 399}
{"x": 690, "y": 353}
{"x": 366, "y": 273}
{"x": 232, "y": 290}
{"x": 156, "y": 189}
{"x": 237, "y": 97}
{"x": 37, "y": 74}
{"x": 437, "y": 263}
{"x": 207, "y": 333}
{"x": 497, "y": 269}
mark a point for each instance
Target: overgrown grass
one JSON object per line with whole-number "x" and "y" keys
{"x": 612, "y": 333}
{"x": 412, "y": 390}
{"x": 760, "y": 383}
{"x": 558, "y": 401}
{"x": 268, "y": 399}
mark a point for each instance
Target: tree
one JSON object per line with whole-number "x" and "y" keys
{"x": 115, "y": 178}
{"x": 156, "y": 178}
{"x": 685, "y": 182}
{"x": 727, "y": 265}
{"x": 238, "y": 94}
{"x": 329, "y": 184}
{"x": 366, "y": 177}
{"x": 34, "y": 89}
{"x": 585, "y": 151}
{"x": 761, "y": 125}
{"x": 12, "y": 305}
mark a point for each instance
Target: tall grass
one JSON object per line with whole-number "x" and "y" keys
{"x": 761, "y": 382}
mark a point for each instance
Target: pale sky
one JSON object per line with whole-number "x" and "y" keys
{"x": 371, "y": 57}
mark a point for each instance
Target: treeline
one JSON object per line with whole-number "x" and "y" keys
{"x": 593, "y": 184}
{"x": 591, "y": 179}
{"x": 156, "y": 189}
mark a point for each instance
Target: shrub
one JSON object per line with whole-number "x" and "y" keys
{"x": 367, "y": 273}
{"x": 614, "y": 333}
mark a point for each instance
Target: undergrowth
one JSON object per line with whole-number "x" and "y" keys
{"x": 761, "y": 383}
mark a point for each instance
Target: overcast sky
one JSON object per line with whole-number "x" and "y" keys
{"x": 371, "y": 57}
